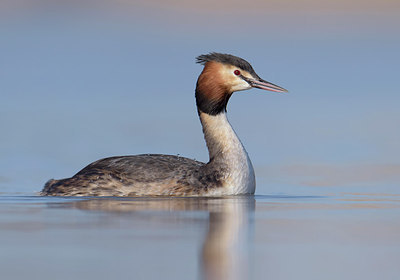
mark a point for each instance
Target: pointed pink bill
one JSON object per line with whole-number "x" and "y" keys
{"x": 262, "y": 84}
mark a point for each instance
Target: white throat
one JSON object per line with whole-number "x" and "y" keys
{"x": 225, "y": 149}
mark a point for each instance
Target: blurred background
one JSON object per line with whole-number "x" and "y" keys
{"x": 82, "y": 80}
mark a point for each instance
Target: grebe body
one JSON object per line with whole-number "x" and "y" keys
{"x": 228, "y": 172}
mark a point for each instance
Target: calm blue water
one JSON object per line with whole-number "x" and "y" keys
{"x": 352, "y": 236}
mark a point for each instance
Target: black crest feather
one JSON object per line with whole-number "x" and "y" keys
{"x": 226, "y": 59}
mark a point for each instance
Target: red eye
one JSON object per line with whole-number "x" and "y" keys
{"x": 236, "y": 72}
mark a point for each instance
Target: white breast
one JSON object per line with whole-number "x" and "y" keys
{"x": 225, "y": 147}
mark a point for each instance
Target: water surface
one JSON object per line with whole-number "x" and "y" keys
{"x": 350, "y": 236}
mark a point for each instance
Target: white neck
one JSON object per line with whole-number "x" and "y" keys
{"x": 226, "y": 150}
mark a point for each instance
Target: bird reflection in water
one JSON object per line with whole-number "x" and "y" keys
{"x": 225, "y": 249}
{"x": 224, "y": 252}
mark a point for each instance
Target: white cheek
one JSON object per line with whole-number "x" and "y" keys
{"x": 242, "y": 85}
{"x": 235, "y": 82}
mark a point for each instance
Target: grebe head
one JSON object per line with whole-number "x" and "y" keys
{"x": 222, "y": 75}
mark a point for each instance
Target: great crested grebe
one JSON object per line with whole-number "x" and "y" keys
{"x": 228, "y": 172}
